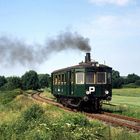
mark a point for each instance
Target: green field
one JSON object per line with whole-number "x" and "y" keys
{"x": 126, "y": 101}
{"x": 127, "y": 96}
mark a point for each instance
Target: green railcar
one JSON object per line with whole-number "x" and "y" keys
{"x": 87, "y": 83}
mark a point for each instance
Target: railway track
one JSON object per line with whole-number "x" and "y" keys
{"x": 117, "y": 120}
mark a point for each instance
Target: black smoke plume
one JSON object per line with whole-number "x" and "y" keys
{"x": 13, "y": 51}
{"x": 68, "y": 40}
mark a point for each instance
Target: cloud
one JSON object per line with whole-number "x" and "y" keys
{"x": 115, "y": 27}
{"x": 115, "y": 2}
{"x": 115, "y": 39}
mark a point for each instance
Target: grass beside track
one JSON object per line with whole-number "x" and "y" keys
{"x": 127, "y": 101}
{"x": 131, "y": 92}
{"x": 26, "y": 119}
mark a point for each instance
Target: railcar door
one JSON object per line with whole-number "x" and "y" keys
{"x": 79, "y": 89}
{"x": 70, "y": 82}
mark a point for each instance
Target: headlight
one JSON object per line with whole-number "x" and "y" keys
{"x": 106, "y": 92}
{"x": 87, "y": 92}
{"x": 85, "y": 98}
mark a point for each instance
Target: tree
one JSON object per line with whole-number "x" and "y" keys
{"x": 44, "y": 80}
{"x": 2, "y": 81}
{"x": 131, "y": 78}
{"x": 117, "y": 80}
{"x": 30, "y": 80}
{"x": 13, "y": 82}
{"x": 137, "y": 83}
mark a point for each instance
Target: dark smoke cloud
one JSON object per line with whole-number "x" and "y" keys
{"x": 68, "y": 40}
{"x": 13, "y": 51}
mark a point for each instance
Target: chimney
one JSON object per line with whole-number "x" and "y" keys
{"x": 87, "y": 58}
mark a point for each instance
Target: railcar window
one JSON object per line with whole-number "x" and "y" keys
{"x": 90, "y": 78}
{"x": 56, "y": 80}
{"x": 53, "y": 80}
{"x": 62, "y": 79}
{"x": 72, "y": 77}
{"x": 80, "y": 78}
{"x": 109, "y": 78}
{"x": 101, "y": 78}
{"x": 59, "y": 79}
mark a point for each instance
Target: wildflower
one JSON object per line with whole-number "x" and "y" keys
{"x": 42, "y": 124}
{"x": 68, "y": 124}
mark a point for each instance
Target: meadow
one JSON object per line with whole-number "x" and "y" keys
{"x": 23, "y": 118}
{"x": 125, "y": 101}
{"x": 128, "y": 96}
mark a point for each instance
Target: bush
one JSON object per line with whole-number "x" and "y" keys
{"x": 137, "y": 82}
{"x": 117, "y": 80}
{"x": 8, "y": 96}
{"x": 79, "y": 120}
{"x": 30, "y": 80}
{"x": 2, "y": 81}
{"x": 8, "y": 86}
{"x": 131, "y": 78}
{"x": 12, "y": 83}
{"x": 44, "y": 80}
{"x": 130, "y": 85}
{"x": 33, "y": 113}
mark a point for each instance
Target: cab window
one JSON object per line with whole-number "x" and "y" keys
{"x": 55, "y": 80}
{"x": 101, "y": 78}
{"x": 80, "y": 78}
{"x": 109, "y": 78}
{"x": 90, "y": 78}
{"x": 59, "y": 79}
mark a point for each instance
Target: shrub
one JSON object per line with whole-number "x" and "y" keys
{"x": 130, "y": 85}
{"x": 30, "y": 80}
{"x": 8, "y": 96}
{"x": 2, "y": 81}
{"x": 11, "y": 83}
{"x": 80, "y": 120}
{"x": 132, "y": 78}
{"x": 44, "y": 80}
{"x": 33, "y": 113}
{"x": 137, "y": 82}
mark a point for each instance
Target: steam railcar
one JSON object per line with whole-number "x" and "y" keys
{"x": 83, "y": 85}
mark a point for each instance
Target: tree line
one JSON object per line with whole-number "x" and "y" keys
{"x": 30, "y": 80}
{"x": 131, "y": 80}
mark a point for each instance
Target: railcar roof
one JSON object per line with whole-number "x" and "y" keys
{"x": 83, "y": 65}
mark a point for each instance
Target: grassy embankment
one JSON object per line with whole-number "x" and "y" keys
{"x": 23, "y": 118}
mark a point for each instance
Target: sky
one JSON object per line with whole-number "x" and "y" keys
{"x": 112, "y": 27}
